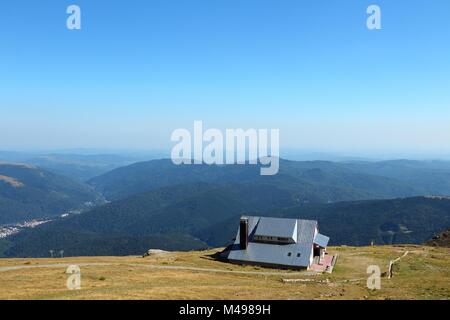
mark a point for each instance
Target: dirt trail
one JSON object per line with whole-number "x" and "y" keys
{"x": 65, "y": 265}
{"x": 56, "y": 265}
{"x": 399, "y": 258}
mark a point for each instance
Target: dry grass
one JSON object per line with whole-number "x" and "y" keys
{"x": 423, "y": 274}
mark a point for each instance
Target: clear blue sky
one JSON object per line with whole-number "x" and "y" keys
{"x": 140, "y": 69}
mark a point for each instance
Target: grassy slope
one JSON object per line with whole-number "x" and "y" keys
{"x": 423, "y": 274}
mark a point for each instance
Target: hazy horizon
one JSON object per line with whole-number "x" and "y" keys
{"x": 287, "y": 154}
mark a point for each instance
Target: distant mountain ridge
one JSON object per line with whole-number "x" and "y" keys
{"x": 80, "y": 167}
{"x": 326, "y": 181}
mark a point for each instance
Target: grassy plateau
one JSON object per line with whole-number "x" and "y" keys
{"x": 423, "y": 273}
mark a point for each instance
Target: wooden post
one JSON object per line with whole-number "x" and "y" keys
{"x": 390, "y": 272}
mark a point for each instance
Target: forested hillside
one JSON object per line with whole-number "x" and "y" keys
{"x": 28, "y": 192}
{"x": 158, "y": 204}
{"x": 206, "y": 216}
{"x": 320, "y": 181}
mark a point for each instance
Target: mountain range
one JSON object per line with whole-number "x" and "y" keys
{"x": 318, "y": 181}
{"x": 156, "y": 204}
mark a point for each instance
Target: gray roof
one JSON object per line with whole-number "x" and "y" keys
{"x": 321, "y": 240}
{"x": 276, "y": 254}
{"x": 273, "y": 227}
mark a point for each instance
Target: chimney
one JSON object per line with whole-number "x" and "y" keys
{"x": 243, "y": 236}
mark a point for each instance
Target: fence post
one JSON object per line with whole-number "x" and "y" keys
{"x": 390, "y": 271}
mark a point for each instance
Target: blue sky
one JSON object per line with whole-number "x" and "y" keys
{"x": 140, "y": 69}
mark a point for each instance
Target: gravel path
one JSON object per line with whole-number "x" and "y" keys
{"x": 65, "y": 265}
{"x": 56, "y": 265}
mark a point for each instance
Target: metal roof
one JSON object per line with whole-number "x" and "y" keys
{"x": 296, "y": 254}
{"x": 273, "y": 227}
{"x": 321, "y": 240}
